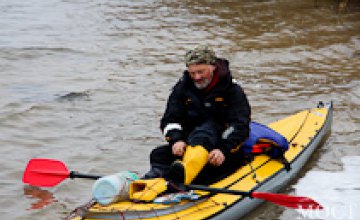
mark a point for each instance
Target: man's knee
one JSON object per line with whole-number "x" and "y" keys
{"x": 207, "y": 135}
{"x": 159, "y": 153}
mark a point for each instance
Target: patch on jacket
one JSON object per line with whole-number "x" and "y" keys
{"x": 219, "y": 99}
{"x": 187, "y": 101}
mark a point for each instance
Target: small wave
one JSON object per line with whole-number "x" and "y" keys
{"x": 13, "y": 53}
{"x": 356, "y": 54}
{"x": 73, "y": 96}
{"x": 40, "y": 48}
{"x": 54, "y": 49}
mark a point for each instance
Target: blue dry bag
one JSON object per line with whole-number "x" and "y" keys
{"x": 263, "y": 134}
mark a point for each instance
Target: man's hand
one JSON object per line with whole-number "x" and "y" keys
{"x": 216, "y": 157}
{"x": 178, "y": 148}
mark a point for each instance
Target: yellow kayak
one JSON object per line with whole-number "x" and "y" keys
{"x": 305, "y": 131}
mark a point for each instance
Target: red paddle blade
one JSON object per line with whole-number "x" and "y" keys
{"x": 294, "y": 202}
{"x": 45, "y": 172}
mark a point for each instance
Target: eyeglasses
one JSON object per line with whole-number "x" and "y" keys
{"x": 200, "y": 72}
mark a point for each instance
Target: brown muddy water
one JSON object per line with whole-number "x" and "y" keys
{"x": 86, "y": 82}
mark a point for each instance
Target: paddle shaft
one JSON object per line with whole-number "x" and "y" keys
{"x": 218, "y": 190}
{"x": 74, "y": 174}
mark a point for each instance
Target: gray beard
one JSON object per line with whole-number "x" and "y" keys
{"x": 202, "y": 85}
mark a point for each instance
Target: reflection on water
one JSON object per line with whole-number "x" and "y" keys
{"x": 86, "y": 82}
{"x": 42, "y": 197}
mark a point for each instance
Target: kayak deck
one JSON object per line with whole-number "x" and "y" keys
{"x": 303, "y": 130}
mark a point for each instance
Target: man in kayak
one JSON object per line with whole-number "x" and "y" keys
{"x": 205, "y": 122}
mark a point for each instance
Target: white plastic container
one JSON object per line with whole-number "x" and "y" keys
{"x": 113, "y": 188}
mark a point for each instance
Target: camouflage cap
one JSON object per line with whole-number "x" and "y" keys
{"x": 201, "y": 54}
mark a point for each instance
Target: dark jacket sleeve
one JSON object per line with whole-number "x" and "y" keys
{"x": 171, "y": 122}
{"x": 238, "y": 120}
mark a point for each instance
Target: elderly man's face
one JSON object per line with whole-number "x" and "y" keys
{"x": 201, "y": 74}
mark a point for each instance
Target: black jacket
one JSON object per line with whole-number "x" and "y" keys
{"x": 225, "y": 103}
